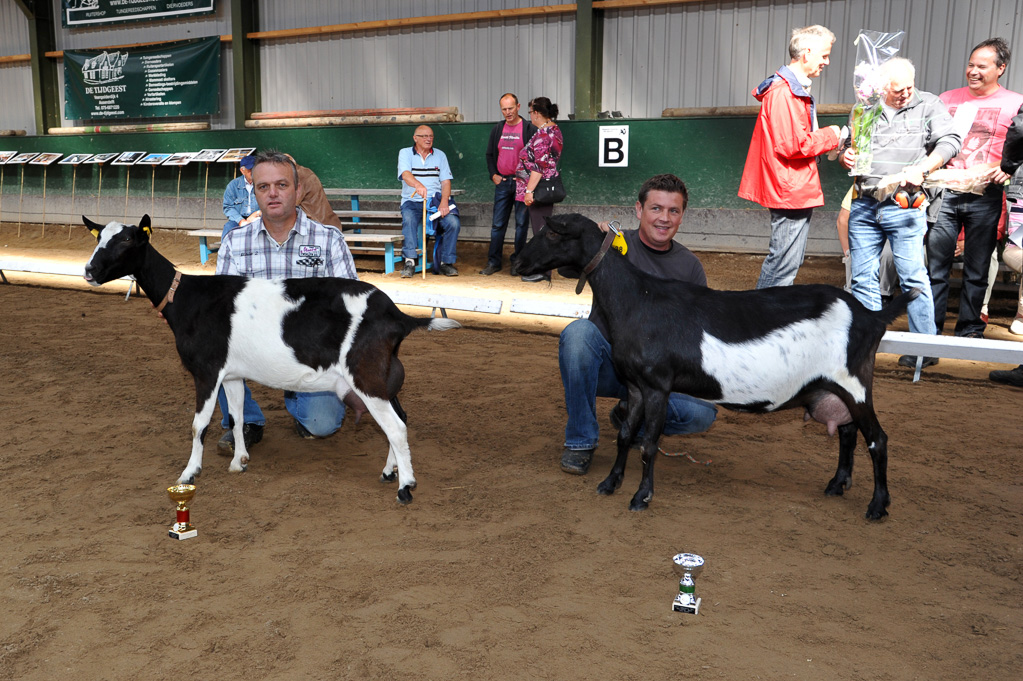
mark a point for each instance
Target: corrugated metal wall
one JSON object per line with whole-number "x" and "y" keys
{"x": 468, "y": 65}
{"x": 16, "y": 112}
{"x": 714, "y": 53}
{"x": 694, "y": 54}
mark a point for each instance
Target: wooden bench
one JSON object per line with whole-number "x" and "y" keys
{"x": 204, "y": 248}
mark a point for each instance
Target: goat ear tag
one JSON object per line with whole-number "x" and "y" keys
{"x": 95, "y": 232}
{"x": 147, "y": 229}
{"x": 619, "y": 244}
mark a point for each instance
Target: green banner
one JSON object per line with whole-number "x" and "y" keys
{"x": 93, "y": 12}
{"x": 170, "y": 79}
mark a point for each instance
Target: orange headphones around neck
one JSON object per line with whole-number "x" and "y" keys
{"x": 909, "y": 197}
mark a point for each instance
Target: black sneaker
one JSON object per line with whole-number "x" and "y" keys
{"x": 576, "y": 461}
{"x": 409, "y": 269}
{"x": 910, "y": 361}
{"x": 973, "y": 334}
{"x": 1010, "y": 377}
{"x": 252, "y": 433}
{"x": 303, "y": 432}
{"x": 448, "y": 270}
{"x": 490, "y": 269}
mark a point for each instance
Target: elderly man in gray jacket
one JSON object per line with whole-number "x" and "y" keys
{"x": 913, "y": 136}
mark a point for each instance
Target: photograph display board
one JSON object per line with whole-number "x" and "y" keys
{"x": 170, "y": 79}
{"x": 94, "y": 12}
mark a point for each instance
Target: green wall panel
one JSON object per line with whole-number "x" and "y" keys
{"x": 708, "y": 153}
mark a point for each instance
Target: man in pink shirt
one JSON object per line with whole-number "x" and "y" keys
{"x": 991, "y": 108}
{"x": 506, "y": 140}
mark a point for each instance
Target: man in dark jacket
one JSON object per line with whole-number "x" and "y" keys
{"x": 1012, "y": 164}
{"x": 506, "y": 141}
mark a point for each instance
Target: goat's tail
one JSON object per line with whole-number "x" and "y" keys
{"x": 442, "y": 324}
{"x": 896, "y": 307}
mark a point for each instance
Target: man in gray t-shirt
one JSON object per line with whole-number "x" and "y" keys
{"x": 584, "y": 351}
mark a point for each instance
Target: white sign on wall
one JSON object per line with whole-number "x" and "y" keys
{"x": 614, "y": 146}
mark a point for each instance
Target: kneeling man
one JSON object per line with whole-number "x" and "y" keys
{"x": 584, "y": 352}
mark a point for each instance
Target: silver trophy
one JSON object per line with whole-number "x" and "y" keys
{"x": 688, "y": 566}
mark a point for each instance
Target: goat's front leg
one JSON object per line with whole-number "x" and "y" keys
{"x": 626, "y": 434}
{"x": 655, "y": 408}
{"x": 234, "y": 390}
{"x": 842, "y": 481}
{"x": 389, "y": 474}
{"x": 205, "y": 401}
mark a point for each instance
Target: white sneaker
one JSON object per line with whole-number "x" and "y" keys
{"x": 1016, "y": 327}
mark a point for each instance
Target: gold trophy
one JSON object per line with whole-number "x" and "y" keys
{"x": 182, "y": 494}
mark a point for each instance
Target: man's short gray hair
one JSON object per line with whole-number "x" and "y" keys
{"x": 278, "y": 158}
{"x": 809, "y": 36}
{"x": 899, "y": 66}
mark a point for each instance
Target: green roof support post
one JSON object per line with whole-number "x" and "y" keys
{"x": 44, "y": 70}
{"x": 245, "y": 60}
{"x": 589, "y": 55}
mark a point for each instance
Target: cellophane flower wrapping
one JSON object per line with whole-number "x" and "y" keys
{"x": 873, "y": 49}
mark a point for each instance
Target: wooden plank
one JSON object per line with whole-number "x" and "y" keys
{"x": 142, "y": 127}
{"x": 374, "y": 238}
{"x": 334, "y": 191}
{"x": 205, "y": 232}
{"x": 753, "y": 111}
{"x": 549, "y": 308}
{"x": 275, "y": 115}
{"x": 354, "y": 120}
{"x": 417, "y": 298}
{"x": 368, "y": 213}
{"x": 463, "y": 17}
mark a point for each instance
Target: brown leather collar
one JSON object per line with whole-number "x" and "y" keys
{"x": 169, "y": 298}
{"x": 592, "y": 264}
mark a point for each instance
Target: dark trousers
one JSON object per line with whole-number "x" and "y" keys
{"x": 504, "y": 203}
{"x": 978, "y": 216}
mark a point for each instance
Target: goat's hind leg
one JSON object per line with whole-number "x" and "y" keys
{"x": 398, "y": 453}
{"x": 234, "y": 390}
{"x": 877, "y": 445}
{"x": 626, "y": 434}
{"x": 205, "y": 400}
{"x": 842, "y": 481}
{"x": 654, "y": 408}
{"x": 389, "y": 473}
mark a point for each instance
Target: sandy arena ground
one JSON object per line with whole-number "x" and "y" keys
{"x": 503, "y": 567}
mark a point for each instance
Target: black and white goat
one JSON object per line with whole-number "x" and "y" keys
{"x": 750, "y": 351}
{"x": 306, "y": 335}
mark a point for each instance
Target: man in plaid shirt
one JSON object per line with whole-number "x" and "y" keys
{"x": 283, "y": 243}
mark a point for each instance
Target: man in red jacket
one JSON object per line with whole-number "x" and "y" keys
{"x": 781, "y": 167}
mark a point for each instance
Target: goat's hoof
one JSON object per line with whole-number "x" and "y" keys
{"x": 404, "y": 496}
{"x": 873, "y": 514}
{"x": 237, "y": 469}
{"x": 639, "y": 504}
{"x": 389, "y": 477}
{"x": 609, "y": 486}
{"x": 836, "y": 488}
{"x": 187, "y": 479}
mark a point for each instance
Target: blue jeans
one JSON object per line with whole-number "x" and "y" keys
{"x": 587, "y": 372}
{"x": 788, "y": 243}
{"x": 978, "y": 216}
{"x": 870, "y": 225}
{"x": 504, "y": 202}
{"x": 412, "y": 229}
{"x": 320, "y": 413}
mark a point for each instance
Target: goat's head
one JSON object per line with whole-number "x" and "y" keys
{"x": 566, "y": 241}
{"x": 120, "y": 251}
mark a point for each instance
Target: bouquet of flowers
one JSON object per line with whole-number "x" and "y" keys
{"x": 873, "y": 49}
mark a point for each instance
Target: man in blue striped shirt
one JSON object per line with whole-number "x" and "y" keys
{"x": 424, "y": 173}
{"x": 283, "y": 242}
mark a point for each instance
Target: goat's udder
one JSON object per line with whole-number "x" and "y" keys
{"x": 356, "y": 403}
{"x": 830, "y": 410}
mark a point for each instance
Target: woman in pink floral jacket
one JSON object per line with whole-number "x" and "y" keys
{"x": 539, "y": 160}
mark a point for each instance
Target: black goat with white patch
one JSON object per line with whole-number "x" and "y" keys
{"x": 750, "y": 351}
{"x": 306, "y": 335}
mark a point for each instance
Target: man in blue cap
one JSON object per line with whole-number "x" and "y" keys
{"x": 239, "y": 202}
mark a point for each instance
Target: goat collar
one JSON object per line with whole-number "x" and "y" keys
{"x": 614, "y": 229}
{"x": 169, "y": 298}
